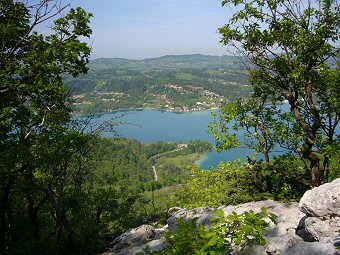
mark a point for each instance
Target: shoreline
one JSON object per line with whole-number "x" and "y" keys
{"x": 142, "y": 109}
{"x": 152, "y": 108}
{"x": 203, "y": 158}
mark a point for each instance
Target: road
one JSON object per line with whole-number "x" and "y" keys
{"x": 154, "y": 173}
{"x": 158, "y": 155}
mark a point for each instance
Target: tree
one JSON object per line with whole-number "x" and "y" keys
{"x": 291, "y": 49}
{"x": 37, "y": 143}
{"x": 254, "y": 119}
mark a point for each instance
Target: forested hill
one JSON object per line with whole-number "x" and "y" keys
{"x": 173, "y": 82}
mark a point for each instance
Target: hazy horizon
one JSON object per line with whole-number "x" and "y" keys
{"x": 150, "y": 28}
{"x": 145, "y": 58}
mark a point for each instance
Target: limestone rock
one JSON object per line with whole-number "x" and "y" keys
{"x": 281, "y": 236}
{"x": 319, "y": 230}
{"x": 312, "y": 228}
{"x": 135, "y": 240}
{"x": 306, "y": 248}
{"x": 274, "y": 245}
{"x": 154, "y": 245}
{"x": 322, "y": 201}
{"x": 202, "y": 214}
{"x": 172, "y": 210}
{"x": 288, "y": 214}
{"x": 322, "y": 208}
{"x": 163, "y": 229}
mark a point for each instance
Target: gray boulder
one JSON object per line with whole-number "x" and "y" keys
{"x": 288, "y": 215}
{"x": 311, "y": 228}
{"x": 322, "y": 208}
{"x": 202, "y": 214}
{"x": 279, "y": 238}
{"x": 325, "y": 231}
{"x": 135, "y": 240}
{"x": 274, "y": 245}
{"x": 322, "y": 201}
{"x": 305, "y": 248}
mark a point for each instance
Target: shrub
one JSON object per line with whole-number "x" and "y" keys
{"x": 225, "y": 233}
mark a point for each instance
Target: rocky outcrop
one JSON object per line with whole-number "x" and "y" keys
{"x": 321, "y": 230}
{"x": 202, "y": 214}
{"x": 136, "y": 240}
{"x": 305, "y": 248}
{"x": 322, "y": 201}
{"x": 310, "y": 227}
{"x": 322, "y": 208}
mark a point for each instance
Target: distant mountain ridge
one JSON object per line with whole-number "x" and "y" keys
{"x": 186, "y": 58}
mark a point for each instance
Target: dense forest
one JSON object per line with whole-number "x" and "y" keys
{"x": 65, "y": 189}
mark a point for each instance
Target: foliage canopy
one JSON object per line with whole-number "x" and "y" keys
{"x": 41, "y": 148}
{"x": 291, "y": 49}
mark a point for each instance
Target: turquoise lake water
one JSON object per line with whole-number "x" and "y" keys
{"x": 151, "y": 126}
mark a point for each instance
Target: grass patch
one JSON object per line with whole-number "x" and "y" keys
{"x": 162, "y": 197}
{"x": 185, "y": 76}
{"x": 180, "y": 161}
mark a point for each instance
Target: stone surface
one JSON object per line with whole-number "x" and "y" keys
{"x": 288, "y": 214}
{"x": 280, "y": 237}
{"x": 320, "y": 230}
{"x": 202, "y": 214}
{"x": 310, "y": 228}
{"x": 134, "y": 240}
{"x": 322, "y": 208}
{"x": 154, "y": 245}
{"x": 274, "y": 245}
{"x": 172, "y": 210}
{"x": 322, "y": 201}
{"x": 306, "y": 248}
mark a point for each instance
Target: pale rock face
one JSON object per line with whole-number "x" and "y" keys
{"x": 288, "y": 214}
{"x": 312, "y": 228}
{"x": 136, "y": 240}
{"x": 202, "y": 214}
{"x": 274, "y": 245}
{"x": 322, "y": 208}
{"x": 322, "y": 201}
{"x": 305, "y": 248}
{"x": 322, "y": 230}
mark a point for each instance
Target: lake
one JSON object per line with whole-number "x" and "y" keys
{"x": 152, "y": 125}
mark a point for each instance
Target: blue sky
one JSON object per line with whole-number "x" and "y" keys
{"x": 138, "y": 29}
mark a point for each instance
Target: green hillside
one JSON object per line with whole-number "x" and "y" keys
{"x": 174, "y": 83}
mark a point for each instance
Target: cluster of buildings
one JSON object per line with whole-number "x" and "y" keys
{"x": 166, "y": 100}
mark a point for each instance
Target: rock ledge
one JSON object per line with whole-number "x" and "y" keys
{"x": 308, "y": 228}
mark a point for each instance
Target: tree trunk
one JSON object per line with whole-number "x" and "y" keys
{"x": 4, "y": 210}
{"x": 266, "y": 156}
{"x": 33, "y": 215}
{"x": 310, "y": 131}
{"x": 98, "y": 214}
{"x": 314, "y": 165}
{"x": 11, "y": 222}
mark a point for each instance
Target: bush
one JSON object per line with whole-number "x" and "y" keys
{"x": 225, "y": 233}
{"x": 231, "y": 183}
{"x": 236, "y": 182}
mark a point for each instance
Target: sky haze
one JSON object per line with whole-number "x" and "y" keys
{"x": 151, "y": 28}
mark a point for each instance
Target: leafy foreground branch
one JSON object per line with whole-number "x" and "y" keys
{"x": 224, "y": 234}
{"x": 291, "y": 49}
